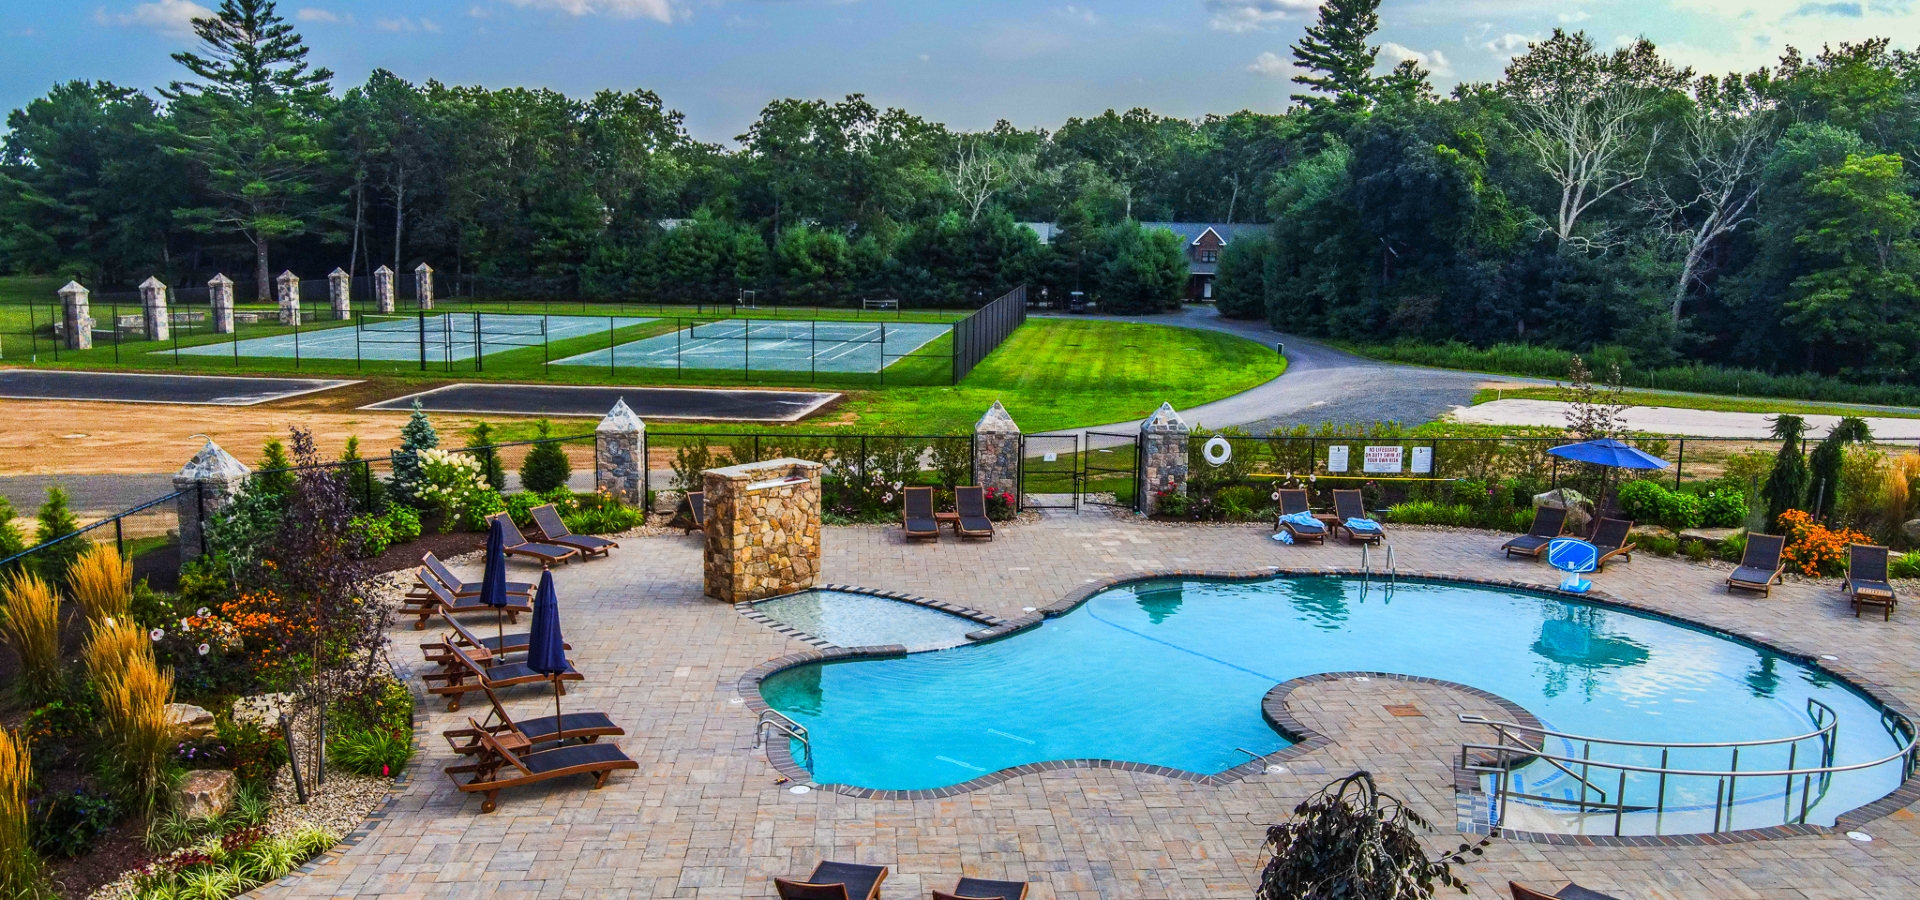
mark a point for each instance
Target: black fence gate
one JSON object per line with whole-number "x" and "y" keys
{"x": 1049, "y": 471}
{"x": 1109, "y": 472}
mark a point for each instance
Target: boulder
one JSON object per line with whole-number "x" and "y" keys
{"x": 205, "y": 793}
{"x": 262, "y": 709}
{"x": 1912, "y": 529}
{"x": 1570, "y": 500}
{"x": 666, "y": 503}
{"x": 189, "y": 721}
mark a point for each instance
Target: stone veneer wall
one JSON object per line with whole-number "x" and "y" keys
{"x": 996, "y": 450}
{"x": 762, "y": 541}
{"x": 1163, "y": 466}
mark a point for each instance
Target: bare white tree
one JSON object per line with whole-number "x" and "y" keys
{"x": 1717, "y": 190}
{"x": 980, "y": 170}
{"x": 1587, "y": 118}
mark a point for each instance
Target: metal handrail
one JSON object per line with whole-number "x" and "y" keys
{"x": 773, "y": 718}
{"x": 1823, "y": 713}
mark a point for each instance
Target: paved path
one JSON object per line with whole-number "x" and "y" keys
{"x": 1321, "y": 384}
{"x": 1668, "y": 420}
{"x": 704, "y": 818}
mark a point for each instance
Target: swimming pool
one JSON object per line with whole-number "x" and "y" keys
{"x": 1172, "y": 672}
{"x": 854, "y": 619}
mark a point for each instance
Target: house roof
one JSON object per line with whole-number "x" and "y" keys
{"x": 1191, "y": 231}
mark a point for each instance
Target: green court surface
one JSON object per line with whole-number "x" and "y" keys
{"x": 439, "y": 337}
{"x": 785, "y": 346}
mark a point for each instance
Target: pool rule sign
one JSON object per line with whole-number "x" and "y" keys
{"x": 1384, "y": 460}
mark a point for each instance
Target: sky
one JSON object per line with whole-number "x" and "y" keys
{"x": 962, "y": 62}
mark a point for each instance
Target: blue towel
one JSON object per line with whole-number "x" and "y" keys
{"x": 1365, "y": 525}
{"x": 1301, "y": 520}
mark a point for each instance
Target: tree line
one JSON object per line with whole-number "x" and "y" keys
{"x": 1589, "y": 198}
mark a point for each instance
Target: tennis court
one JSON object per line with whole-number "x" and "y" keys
{"x": 785, "y": 346}
{"x": 140, "y": 387}
{"x": 440, "y": 337}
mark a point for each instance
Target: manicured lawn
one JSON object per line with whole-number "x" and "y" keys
{"x": 1706, "y": 402}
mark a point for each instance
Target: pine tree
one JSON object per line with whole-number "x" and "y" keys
{"x": 489, "y": 459}
{"x": 546, "y": 466}
{"x": 273, "y": 479}
{"x": 57, "y": 520}
{"x": 1827, "y": 459}
{"x": 249, "y": 124}
{"x": 1787, "y": 485}
{"x": 368, "y": 491}
{"x": 415, "y": 436}
{"x": 1335, "y": 50}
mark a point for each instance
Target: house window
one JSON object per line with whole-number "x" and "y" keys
{"x": 1209, "y": 256}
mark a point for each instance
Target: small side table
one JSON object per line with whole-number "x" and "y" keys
{"x": 947, "y": 518}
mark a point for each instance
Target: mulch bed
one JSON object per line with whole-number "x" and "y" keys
{"x": 445, "y": 546}
{"x": 114, "y": 854}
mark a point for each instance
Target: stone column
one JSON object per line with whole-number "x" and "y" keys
{"x": 340, "y": 291}
{"x": 620, "y": 455}
{"x": 423, "y": 286}
{"x": 75, "y": 318}
{"x": 208, "y": 482}
{"x": 1163, "y": 447}
{"x": 289, "y": 298}
{"x": 996, "y": 450}
{"x": 383, "y": 291}
{"x": 763, "y": 529}
{"x": 153, "y": 309}
{"x": 220, "y": 297}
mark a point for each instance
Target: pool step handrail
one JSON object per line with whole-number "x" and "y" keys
{"x": 1503, "y": 757}
{"x": 778, "y": 721}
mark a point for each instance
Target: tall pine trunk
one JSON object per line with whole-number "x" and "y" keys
{"x": 399, "y": 215}
{"x": 262, "y": 275}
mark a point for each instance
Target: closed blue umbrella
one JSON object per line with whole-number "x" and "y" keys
{"x": 493, "y": 580}
{"x": 546, "y": 649}
{"x": 1608, "y": 452}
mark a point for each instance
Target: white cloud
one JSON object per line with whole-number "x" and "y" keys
{"x": 925, "y": 58}
{"x": 311, "y": 14}
{"x": 1270, "y": 65}
{"x": 479, "y": 12}
{"x": 405, "y": 24}
{"x": 1575, "y": 17}
{"x": 1435, "y": 61}
{"x": 1021, "y": 42}
{"x": 1509, "y": 44}
{"x": 658, "y": 10}
{"x": 1253, "y": 15}
{"x": 1079, "y": 14}
{"x": 173, "y": 18}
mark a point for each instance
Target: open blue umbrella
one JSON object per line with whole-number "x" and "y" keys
{"x": 546, "y": 650}
{"x": 1608, "y": 452}
{"x": 493, "y": 580}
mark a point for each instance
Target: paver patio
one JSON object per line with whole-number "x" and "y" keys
{"x": 703, "y": 817}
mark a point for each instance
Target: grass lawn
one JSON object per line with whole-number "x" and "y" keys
{"x": 1710, "y": 402}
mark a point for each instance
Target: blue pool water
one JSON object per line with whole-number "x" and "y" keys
{"x": 1172, "y": 672}
{"x": 853, "y": 619}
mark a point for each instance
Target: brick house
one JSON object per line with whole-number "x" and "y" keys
{"x": 1205, "y": 241}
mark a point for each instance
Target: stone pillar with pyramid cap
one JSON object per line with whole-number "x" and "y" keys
{"x": 220, "y": 297}
{"x": 76, "y": 319}
{"x": 289, "y": 298}
{"x": 383, "y": 291}
{"x": 153, "y": 309}
{"x": 340, "y": 293}
{"x": 620, "y": 455}
{"x": 1163, "y": 457}
{"x": 996, "y": 450}
{"x": 423, "y": 286}
{"x": 207, "y": 483}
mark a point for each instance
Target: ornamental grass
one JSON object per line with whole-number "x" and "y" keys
{"x": 30, "y": 623}
{"x": 20, "y": 873}
{"x": 112, "y": 648}
{"x": 102, "y": 584}
{"x": 134, "y": 693}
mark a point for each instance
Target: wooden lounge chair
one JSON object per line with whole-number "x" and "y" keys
{"x": 834, "y": 881}
{"x": 1611, "y": 540}
{"x": 1760, "y": 565}
{"x": 1549, "y": 522}
{"x": 431, "y": 596}
{"x": 1293, "y": 501}
{"x": 554, "y": 531}
{"x": 983, "y": 889}
{"x": 971, "y": 504}
{"x": 695, "y": 518}
{"x": 504, "y": 763}
{"x": 584, "y": 726}
{"x": 469, "y": 669}
{"x": 465, "y": 589}
{"x": 1349, "y": 505}
{"x": 916, "y": 515}
{"x": 496, "y": 646}
{"x": 1570, "y": 892}
{"x": 516, "y": 544}
{"x": 1867, "y": 580}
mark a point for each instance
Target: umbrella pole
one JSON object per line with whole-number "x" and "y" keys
{"x": 557, "y": 726}
{"x": 500, "y": 629}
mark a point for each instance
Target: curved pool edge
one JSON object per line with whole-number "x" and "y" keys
{"x": 781, "y": 757}
{"x": 750, "y": 609}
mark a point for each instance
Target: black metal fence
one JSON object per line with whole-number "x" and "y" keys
{"x": 978, "y": 335}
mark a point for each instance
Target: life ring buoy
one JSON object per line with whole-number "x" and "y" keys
{"x": 1218, "y": 451}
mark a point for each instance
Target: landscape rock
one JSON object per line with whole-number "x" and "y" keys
{"x": 262, "y": 709}
{"x": 666, "y": 503}
{"x": 1912, "y": 529}
{"x": 190, "y": 721}
{"x": 1570, "y": 500}
{"x": 205, "y": 793}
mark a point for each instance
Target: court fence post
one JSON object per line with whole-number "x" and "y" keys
{"x": 421, "y": 316}
{"x": 203, "y": 487}
{"x": 611, "y": 346}
{"x": 813, "y": 350}
{"x": 746, "y": 352}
